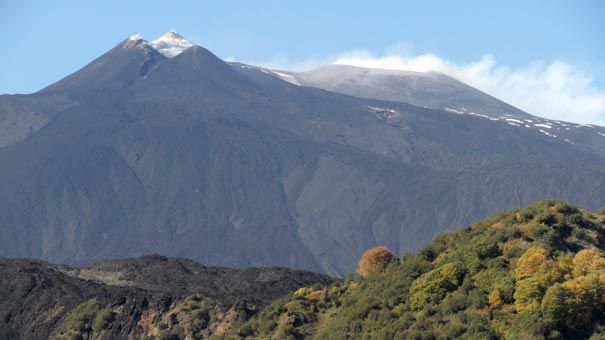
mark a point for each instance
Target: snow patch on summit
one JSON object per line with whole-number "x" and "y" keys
{"x": 287, "y": 77}
{"x": 171, "y": 44}
{"x": 135, "y": 40}
{"x": 135, "y": 37}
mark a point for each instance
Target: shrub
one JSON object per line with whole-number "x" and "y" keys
{"x": 373, "y": 259}
{"x": 587, "y": 261}
{"x": 78, "y": 321}
{"x": 554, "y": 307}
{"x": 428, "y": 254}
{"x": 434, "y": 285}
{"x": 506, "y": 288}
{"x": 495, "y": 299}
{"x": 528, "y": 295}
{"x": 531, "y": 262}
{"x": 486, "y": 249}
{"x": 566, "y": 209}
{"x": 103, "y": 319}
{"x": 580, "y": 234}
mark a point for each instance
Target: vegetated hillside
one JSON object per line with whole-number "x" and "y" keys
{"x": 533, "y": 273}
{"x": 133, "y": 298}
{"x": 138, "y": 153}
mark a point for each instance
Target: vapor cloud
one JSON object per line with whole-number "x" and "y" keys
{"x": 556, "y": 90}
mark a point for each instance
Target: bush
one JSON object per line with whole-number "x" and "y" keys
{"x": 495, "y": 299}
{"x": 373, "y": 259}
{"x": 528, "y": 295}
{"x": 566, "y": 209}
{"x": 531, "y": 262}
{"x": 587, "y": 261}
{"x": 103, "y": 319}
{"x": 428, "y": 254}
{"x": 554, "y": 308}
{"x": 434, "y": 285}
{"x": 79, "y": 321}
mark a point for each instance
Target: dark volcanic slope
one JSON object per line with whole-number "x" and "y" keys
{"x": 231, "y": 166}
{"x": 178, "y": 276}
{"x": 37, "y": 297}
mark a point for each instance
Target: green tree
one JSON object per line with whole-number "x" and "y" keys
{"x": 434, "y": 285}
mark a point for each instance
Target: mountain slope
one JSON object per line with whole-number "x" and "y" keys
{"x": 533, "y": 273}
{"x": 23, "y": 115}
{"x": 229, "y": 165}
{"x": 110, "y": 73}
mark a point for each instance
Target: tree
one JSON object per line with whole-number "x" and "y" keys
{"x": 373, "y": 259}
{"x": 433, "y": 286}
{"x": 495, "y": 299}
{"x": 528, "y": 295}
{"x": 532, "y": 262}
{"x": 587, "y": 261}
{"x": 554, "y": 304}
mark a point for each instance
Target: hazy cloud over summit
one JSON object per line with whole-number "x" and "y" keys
{"x": 555, "y": 90}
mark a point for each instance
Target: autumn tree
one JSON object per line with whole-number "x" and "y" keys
{"x": 374, "y": 258}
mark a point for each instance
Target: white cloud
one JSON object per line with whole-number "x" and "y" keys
{"x": 556, "y": 90}
{"x": 282, "y": 62}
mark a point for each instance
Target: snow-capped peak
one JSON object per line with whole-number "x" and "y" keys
{"x": 135, "y": 37}
{"x": 134, "y": 40}
{"x": 171, "y": 44}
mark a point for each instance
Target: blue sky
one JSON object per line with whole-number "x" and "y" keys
{"x": 46, "y": 40}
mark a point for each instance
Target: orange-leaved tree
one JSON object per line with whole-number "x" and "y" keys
{"x": 374, "y": 258}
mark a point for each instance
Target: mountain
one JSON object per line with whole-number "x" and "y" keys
{"x": 535, "y": 273}
{"x": 229, "y": 165}
{"x": 132, "y": 297}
